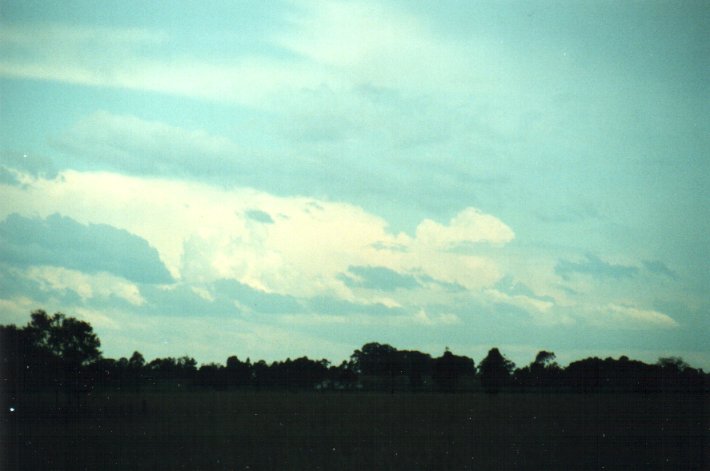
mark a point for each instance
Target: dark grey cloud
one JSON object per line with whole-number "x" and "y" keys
{"x": 62, "y": 241}
{"x": 659, "y": 268}
{"x": 259, "y": 216}
{"x": 377, "y": 278}
{"x": 446, "y": 285}
{"x": 135, "y": 146}
{"x": 512, "y": 287}
{"x": 257, "y": 301}
{"x": 595, "y": 267}
{"x": 35, "y": 165}
{"x": 397, "y": 188}
{"x": 7, "y": 177}
{"x": 180, "y": 300}
{"x": 332, "y": 306}
{"x": 229, "y": 297}
{"x": 13, "y": 284}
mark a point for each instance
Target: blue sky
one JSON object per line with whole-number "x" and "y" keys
{"x": 301, "y": 177}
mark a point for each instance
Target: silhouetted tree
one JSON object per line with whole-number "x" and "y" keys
{"x": 60, "y": 349}
{"x": 136, "y": 361}
{"x": 181, "y": 371}
{"x": 345, "y": 375}
{"x": 375, "y": 359}
{"x": 495, "y": 371}
{"x": 380, "y": 360}
{"x": 542, "y": 372}
{"x": 72, "y": 340}
{"x": 62, "y": 353}
{"x": 676, "y": 375}
{"x": 260, "y": 372}
{"x": 301, "y": 373}
{"x": 585, "y": 375}
{"x": 416, "y": 365}
{"x": 20, "y": 360}
{"x": 134, "y": 373}
{"x": 212, "y": 375}
{"x": 238, "y": 373}
{"x": 544, "y": 358}
{"x": 449, "y": 368}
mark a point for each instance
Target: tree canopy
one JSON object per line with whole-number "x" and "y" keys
{"x": 63, "y": 352}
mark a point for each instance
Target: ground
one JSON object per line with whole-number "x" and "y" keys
{"x": 270, "y": 430}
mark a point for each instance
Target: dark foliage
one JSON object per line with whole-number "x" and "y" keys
{"x": 496, "y": 371}
{"x": 450, "y": 368}
{"x": 59, "y": 353}
{"x": 50, "y": 352}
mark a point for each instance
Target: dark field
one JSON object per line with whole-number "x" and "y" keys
{"x": 228, "y": 430}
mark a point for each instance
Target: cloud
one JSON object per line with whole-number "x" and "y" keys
{"x": 616, "y": 315}
{"x": 255, "y": 301}
{"x": 87, "y": 286}
{"x": 131, "y": 145}
{"x": 15, "y": 309}
{"x": 62, "y": 242}
{"x": 511, "y": 286}
{"x": 331, "y": 306}
{"x": 378, "y": 278}
{"x": 544, "y": 310}
{"x": 7, "y": 177}
{"x": 323, "y": 46}
{"x": 185, "y": 300}
{"x": 659, "y": 268}
{"x": 142, "y": 59}
{"x": 310, "y": 54}
{"x": 259, "y": 216}
{"x": 136, "y": 146}
{"x": 356, "y": 316}
{"x": 422, "y": 317}
{"x": 16, "y": 167}
{"x": 470, "y": 226}
{"x": 595, "y": 267}
{"x": 378, "y": 45}
{"x": 205, "y": 233}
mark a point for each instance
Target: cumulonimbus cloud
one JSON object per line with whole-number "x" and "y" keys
{"x": 205, "y": 233}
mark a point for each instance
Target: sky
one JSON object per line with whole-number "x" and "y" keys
{"x": 288, "y": 178}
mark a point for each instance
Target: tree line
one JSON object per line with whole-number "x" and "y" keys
{"x": 62, "y": 353}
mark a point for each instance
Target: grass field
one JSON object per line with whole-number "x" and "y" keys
{"x": 229, "y": 430}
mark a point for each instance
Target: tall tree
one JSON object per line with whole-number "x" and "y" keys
{"x": 495, "y": 371}
{"x": 375, "y": 359}
{"x": 69, "y": 339}
{"x": 449, "y": 368}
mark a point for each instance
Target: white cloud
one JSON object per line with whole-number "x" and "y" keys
{"x": 16, "y": 310}
{"x": 639, "y": 317}
{"x": 203, "y": 233}
{"x": 340, "y": 45}
{"x": 622, "y": 316}
{"x": 373, "y": 44}
{"x": 99, "y": 319}
{"x": 523, "y": 301}
{"x": 545, "y": 312}
{"x": 422, "y": 317}
{"x": 470, "y": 226}
{"x": 142, "y": 60}
{"x": 97, "y": 285}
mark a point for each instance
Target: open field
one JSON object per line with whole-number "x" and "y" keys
{"x": 232, "y": 430}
